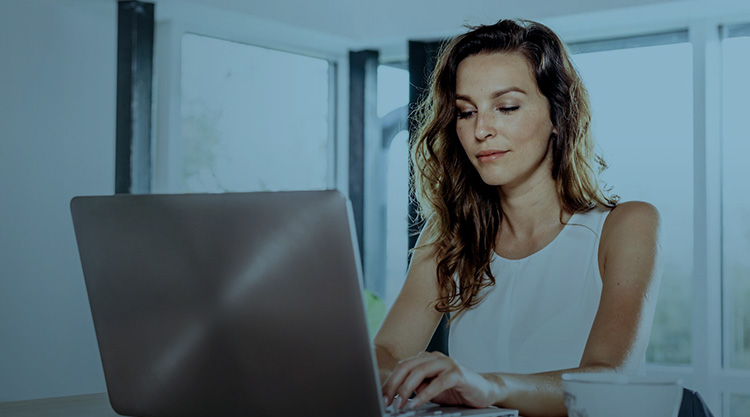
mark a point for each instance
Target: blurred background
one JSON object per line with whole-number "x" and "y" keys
{"x": 295, "y": 94}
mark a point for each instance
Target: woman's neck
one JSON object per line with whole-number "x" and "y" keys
{"x": 531, "y": 208}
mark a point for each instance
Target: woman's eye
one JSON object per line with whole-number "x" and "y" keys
{"x": 508, "y": 109}
{"x": 465, "y": 114}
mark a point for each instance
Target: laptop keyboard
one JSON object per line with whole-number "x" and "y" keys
{"x": 423, "y": 411}
{"x": 420, "y": 413}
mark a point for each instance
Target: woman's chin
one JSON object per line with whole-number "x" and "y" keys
{"x": 493, "y": 179}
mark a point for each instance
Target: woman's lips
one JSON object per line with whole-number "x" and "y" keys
{"x": 487, "y": 156}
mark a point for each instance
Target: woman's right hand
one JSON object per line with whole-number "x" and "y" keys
{"x": 440, "y": 379}
{"x": 384, "y": 374}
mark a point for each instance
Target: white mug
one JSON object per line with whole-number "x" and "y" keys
{"x": 620, "y": 395}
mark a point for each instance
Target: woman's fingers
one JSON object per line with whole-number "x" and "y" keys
{"x": 436, "y": 377}
{"x": 399, "y": 373}
{"x": 414, "y": 374}
{"x": 423, "y": 372}
{"x": 438, "y": 385}
{"x": 422, "y": 386}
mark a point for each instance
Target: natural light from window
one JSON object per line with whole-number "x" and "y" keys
{"x": 736, "y": 200}
{"x": 393, "y": 93}
{"x": 641, "y": 100}
{"x": 253, "y": 119}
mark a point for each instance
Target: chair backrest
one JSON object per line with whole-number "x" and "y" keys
{"x": 439, "y": 341}
{"x": 693, "y": 405}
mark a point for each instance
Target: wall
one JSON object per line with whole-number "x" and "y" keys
{"x": 57, "y": 132}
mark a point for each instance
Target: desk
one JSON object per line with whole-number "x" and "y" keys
{"x": 91, "y": 405}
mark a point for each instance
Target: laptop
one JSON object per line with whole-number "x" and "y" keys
{"x": 237, "y": 304}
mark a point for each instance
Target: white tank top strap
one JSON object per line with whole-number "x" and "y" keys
{"x": 593, "y": 219}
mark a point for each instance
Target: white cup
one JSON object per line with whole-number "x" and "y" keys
{"x": 619, "y": 395}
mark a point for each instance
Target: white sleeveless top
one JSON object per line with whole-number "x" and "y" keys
{"x": 538, "y": 315}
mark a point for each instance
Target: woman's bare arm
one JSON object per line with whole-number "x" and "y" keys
{"x": 412, "y": 319}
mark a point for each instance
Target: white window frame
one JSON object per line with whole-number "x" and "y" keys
{"x": 732, "y": 381}
{"x": 175, "y": 19}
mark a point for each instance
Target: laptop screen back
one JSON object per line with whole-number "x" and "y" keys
{"x": 227, "y": 304}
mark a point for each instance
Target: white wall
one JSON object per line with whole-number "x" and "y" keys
{"x": 57, "y": 136}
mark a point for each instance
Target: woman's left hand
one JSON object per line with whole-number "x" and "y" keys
{"x": 438, "y": 378}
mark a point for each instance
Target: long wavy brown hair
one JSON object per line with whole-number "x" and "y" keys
{"x": 461, "y": 211}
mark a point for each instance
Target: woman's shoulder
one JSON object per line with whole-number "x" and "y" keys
{"x": 629, "y": 212}
{"x": 631, "y": 222}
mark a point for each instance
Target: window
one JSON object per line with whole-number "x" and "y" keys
{"x": 735, "y": 211}
{"x": 736, "y": 198}
{"x": 253, "y": 119}
{"x": 739, "y": 405}
{"x": 641, "y": 99}
{"x": 393, "y": 97}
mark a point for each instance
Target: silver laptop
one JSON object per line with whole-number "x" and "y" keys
{"x": 242, "y": 304}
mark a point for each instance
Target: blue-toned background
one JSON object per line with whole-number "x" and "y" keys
{"x": 253, "y": 95}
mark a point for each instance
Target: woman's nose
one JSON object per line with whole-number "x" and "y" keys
{"x": 484, "y": 128}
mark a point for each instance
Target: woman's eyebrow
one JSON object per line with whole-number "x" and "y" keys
{"x": 504, "y": 91}
{"x": 495, "y": 94}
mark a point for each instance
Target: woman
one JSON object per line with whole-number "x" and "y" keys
{"x": 541, "y": 272}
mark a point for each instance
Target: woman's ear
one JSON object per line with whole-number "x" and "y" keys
{"x": 553, "y": 137}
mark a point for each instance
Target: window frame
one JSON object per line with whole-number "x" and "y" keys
{"x": 173, "y": 21}
{"x": 680, "y": 36}
{"x": 731, "y": 378}
{"x": 392, "y": 124}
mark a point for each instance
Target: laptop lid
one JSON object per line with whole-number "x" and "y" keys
{"x": 228, "y": 304}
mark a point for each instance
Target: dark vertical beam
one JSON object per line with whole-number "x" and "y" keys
{"x": 422, "y": 60}
{"x": 363, "y": 66}
{"x": 135, "y": 46}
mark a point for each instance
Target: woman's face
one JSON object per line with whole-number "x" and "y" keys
{"x": 503, "y": 120}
